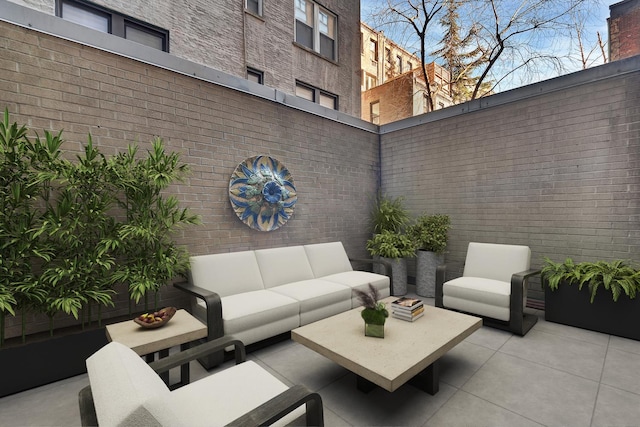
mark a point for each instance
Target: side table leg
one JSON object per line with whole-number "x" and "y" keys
{"x": 185, "y": 374}
{"x": 165, "y": 375}
{"x": 429, "y": 379}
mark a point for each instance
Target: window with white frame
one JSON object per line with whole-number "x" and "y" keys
{"x": 314, "y": 94}
{"x": 108, "y": 21}
{"x": 253, "y": 6}
{"x": 374, "y": 112}
{"x": 316, "y": 28}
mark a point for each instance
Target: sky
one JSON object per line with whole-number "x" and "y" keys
{"x": 597, "y": 23}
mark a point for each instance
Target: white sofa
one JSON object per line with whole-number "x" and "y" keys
{"x": 255, "y": 295}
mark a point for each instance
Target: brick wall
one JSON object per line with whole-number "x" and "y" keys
{"x": 624, "y": 30}
{"x": 50, "y": 83}
{"x": 557, "y": 172}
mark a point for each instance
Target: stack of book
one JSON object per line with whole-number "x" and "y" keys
{"x": 408, "y": 309}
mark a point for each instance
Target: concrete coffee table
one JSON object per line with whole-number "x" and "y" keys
{"x": 408, "y": 351}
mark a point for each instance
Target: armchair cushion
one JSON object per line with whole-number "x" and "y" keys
{"x": 496, "y": 261}
{"x": 485, "y": 297}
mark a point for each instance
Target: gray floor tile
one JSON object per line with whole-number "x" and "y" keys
{"x": 461, "y": 362}
{"x": 464, "y": 409}
{"x": 622, "y": 370}
{"x": 616, "y": 408}
{"x": 574, "y": 356}
{"x": 571, "y": 332}
{"x": 491, "y": 338}
{"x": 537, "y": 392}
{"x": 624, "y": 344}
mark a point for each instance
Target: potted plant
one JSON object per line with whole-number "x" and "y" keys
{"x": 599, "y": 296}
{"x": 374, "y": 314}
{"x": 394, "y": 248}
{"x": 430, "y": 233}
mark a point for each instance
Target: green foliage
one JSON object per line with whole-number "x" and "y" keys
{"x": 430, "y": 232}
{"x": 391, "y": 245}
{"x": 388, "y": 214}
{"x": 617, "y": 276}
{"x": 374, "y": 312}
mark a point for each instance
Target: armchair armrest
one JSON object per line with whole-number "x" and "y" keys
{"x": 215, "y": 326}
{"x": 200, "y": 351}
{"x": 516, "y": 301}
{"x": 387, "y": 268}
{"x": 281, "y": 405}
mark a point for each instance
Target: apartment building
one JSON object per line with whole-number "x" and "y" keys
{"x": 624, "y": 29}
{"x": 393, "y": 86}
{"x": 303, "y": 47}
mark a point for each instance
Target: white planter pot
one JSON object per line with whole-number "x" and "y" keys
{"x": 426, "y": 264}
{"x": 399, "y": 274}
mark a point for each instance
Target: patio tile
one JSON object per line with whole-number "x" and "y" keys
{"x": 407, "y": 406}
{"x": 622, "y": 370}
{"x": 624, "y": 344}
{"x": 574, "y": 356}
{"x": 616, "y": 408}
{"x": 461, "y": 362}
{"x": 571, "y": 332}
{"x": 489, "y": 337}
{"x": 464, "y": 409}
{"x": 539, "y": 393}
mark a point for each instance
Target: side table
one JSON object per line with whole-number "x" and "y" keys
{"x": 181, "y": 330}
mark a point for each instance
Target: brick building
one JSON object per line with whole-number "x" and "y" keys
{"x": 299, "y": 47}
{"x": 624, "y": 29}
{"x": 393, "y": 87}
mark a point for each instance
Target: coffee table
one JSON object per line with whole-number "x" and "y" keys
{"x": 409, "y": 351}
{"x": 181, "y": 330}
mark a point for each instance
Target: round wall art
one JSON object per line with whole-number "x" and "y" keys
{"x": 262, "y": 193}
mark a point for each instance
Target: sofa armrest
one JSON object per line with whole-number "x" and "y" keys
{"x": 387, "y": 268}
{"x": 284, "y": 403}
{"x": 215, "y": 327}
{"x": 200, "y": 351}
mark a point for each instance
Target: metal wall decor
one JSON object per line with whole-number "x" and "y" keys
{"x": 262, "y": 193}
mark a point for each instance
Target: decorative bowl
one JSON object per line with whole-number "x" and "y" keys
{"x": 155, "y": 319}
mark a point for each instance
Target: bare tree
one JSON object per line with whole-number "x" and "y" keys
{"x": 527, "y": 38}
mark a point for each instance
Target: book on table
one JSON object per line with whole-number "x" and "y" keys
{"x": 408, "y": 317}
{"x": 407, "y": 304}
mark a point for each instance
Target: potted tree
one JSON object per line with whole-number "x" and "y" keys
{"x": 394, "y": 248}
{"x": 598, "y": 296}
{"x": 430, "y": 233}
{"x": 387, "y": 214}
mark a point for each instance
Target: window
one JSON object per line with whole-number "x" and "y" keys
{"x": 254, "y": 6}
{"x": 373, "y": 46}
{"x": 387, "y": 54}
{"x": 316, "y": 28}
{"x": 255, "y": 75}
{"x": 399, "y": 64}
{"x": 319, "y": 96}
{"x": 409, "y": 65}
{"x": 370, "y": 81}
{"x": 374, "y": 112}
{"x": 105, "y": 20}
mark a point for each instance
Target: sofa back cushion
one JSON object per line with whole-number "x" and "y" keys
{"x": 226, "y": 273}
{"x": 280, "y": 266}
{"x": 497, "y": 262}
{"x": 327, "y": 259}
{"x": 121, "y": 384}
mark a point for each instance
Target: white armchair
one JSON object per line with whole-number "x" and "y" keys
{"x": 493, "y": 285}
{"x": 126, "y": 391}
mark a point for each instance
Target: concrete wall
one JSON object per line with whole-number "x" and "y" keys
{"x": 554, "y": 166}
{"x": 219, "y": 34}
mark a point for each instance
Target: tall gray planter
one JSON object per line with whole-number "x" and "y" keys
{"x": 426, "y": 264}
{"x": 399, "y": 274}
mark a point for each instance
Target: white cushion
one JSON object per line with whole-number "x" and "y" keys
{"x": 327, "y": 258}
{"x": 226, "y": 273}
{"x": 318, "y": 298}
{"x": 494, "y": 261}
{"x": 279, "y": 266}
{"x": 122, "y": 384}
{"x": 224, "y": 396}
{"x": 478, "y": 308}
{"x": 360, "y": 280}
{"x": 487, "y": 291}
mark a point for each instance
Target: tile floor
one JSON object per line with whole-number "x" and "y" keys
{"x": 555, "y": 376}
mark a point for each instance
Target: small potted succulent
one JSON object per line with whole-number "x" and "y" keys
{"x": 374, "y": 314}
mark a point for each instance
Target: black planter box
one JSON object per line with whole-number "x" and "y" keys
{"x": 38, "y": 363}
{"x": 570, "y": 306}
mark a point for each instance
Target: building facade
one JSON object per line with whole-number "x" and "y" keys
{"x": 303, "y": 47}
{"x": 393, "y": 87}
{"x": 624, "y": 29}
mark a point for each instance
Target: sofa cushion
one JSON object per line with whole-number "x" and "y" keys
{"x": 122, "y": 385}
{"x": 318, "y": 298}
{"x": 494, "y": 261}
{"x": 280, "y": 266}
{"x": 226, "y": 273}
{"x": 486, "y": 297}
{"x": 220, "y": 398}
{"x": 327, "y": 258}
{"x": 360, "y": 280}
